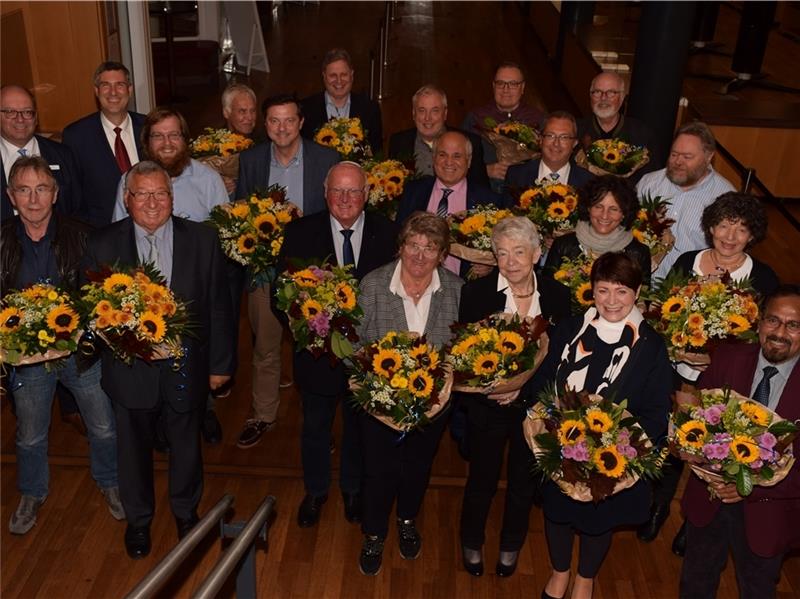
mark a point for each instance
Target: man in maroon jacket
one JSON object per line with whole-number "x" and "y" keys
{"x": 759, "y": 529}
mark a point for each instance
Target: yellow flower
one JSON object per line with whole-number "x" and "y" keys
{"x": 345, "y": 296}
{"x": 584, "y": 294}
{"x": 326, "y": 136}
{"x": 10, "y": 319}
{"x": 355, "y": 131}
{"x": 45, "y": 338}
{"x": 679, "y": 339}
{"x": 473, "y": 224}
{"x": 488, "y": 335}
{"x": 755, "y": 412}
{"x": 463, "y": 346}
{"x": 637, "y": 235}
{"x": 240, "y": 210}
{"x": 527, "y": 198}
{"x": 265, "y": 224}
{"x": 510, "y": 343}
{"x": 120, "y": 317}
{"x": 117, "y": 283}
{"x": 420, "y": 383}
{"x": 247, "y": 243}
{"x": 152, "y": 326}
{"x": 558, "y": 211}
{"x": 418, "y": 350}
{"x": 692, "y": 433}
{"x": 391, "y": 188}
{"x": 609, "y": 461}
{"x": 388, "y": 338}
{"x": 52, "y": 295}
{"x": 305, "y": 278}
{"x": 672, "y": 307}
{"x": 571, "y": 431}
{"x": 598, "y": 420}
{"x": 386, "y": 361}
{"x": 284, "y": 216}
{"x": 737, "y": 324}
{"x": 697, "y": 338}
{"x": 750, "y": 310}
{"x": 695, "y": 320}
{"x": 570, "y": 202}
{"x": 399, "y": 382}
{"x": 310, "y": 309}
{"x": 485, "y": 363}
{"x": 62, "y": 319}
{"x": 561, "y": 275}
{"x": 612, "y": 156}
{"x": 559, "y": 189}
{"x": 744, "y": 449}
{"x": 103, "y": 307}
{"x": 103, "y": 322}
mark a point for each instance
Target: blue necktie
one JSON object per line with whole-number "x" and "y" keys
{"x": 23, "y": 152}
{"x": 554, "y": 176}
{"x": 348, "y": 256}
{"x": 761, "y": 394}
{"x": 441, "y": 209}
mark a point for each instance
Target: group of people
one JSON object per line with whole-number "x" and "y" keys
{"x": 128, "y": 192}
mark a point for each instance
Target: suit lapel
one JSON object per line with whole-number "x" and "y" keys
{"x": 101, "y": 141}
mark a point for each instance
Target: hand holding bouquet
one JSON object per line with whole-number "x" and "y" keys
{"x": 471, "y": 231}
{"x": 219, "y": 149}
{"x": 346, "y": 136}
{"x": 613, "y": 157}
{"x": 551, "y": 207}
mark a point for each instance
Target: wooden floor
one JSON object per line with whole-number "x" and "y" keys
{"x": 76, "y": 549}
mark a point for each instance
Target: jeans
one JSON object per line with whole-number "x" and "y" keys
{"x": 33, "y": 387}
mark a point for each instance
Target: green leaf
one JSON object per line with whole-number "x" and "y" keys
{"x": 782, "y": 427}
{"x": 732, "y": 469}
{"x": 341, "y": 346}
{"x": 744, "y": 482}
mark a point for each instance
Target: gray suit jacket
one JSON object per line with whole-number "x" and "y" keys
{"x": 317, "y": 160}
{"x": 383, "y": 310}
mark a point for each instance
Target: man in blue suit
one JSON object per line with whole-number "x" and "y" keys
{"x": 106, "y": 143}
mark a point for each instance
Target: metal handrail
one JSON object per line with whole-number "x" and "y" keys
{"x": 222, "y": 570}
{"x": 160, "y": 574}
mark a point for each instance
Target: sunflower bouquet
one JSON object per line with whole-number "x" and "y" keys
{"x": 471, "y": 233}
{"x": 219, "y": 149}
{"x": 401, "y": 380}
{"x": 320, "y": 302}
{"x": 386, "y": 179}
{"x": 251, "y": 230}
{"x": 652, "y": 227}
{"x": 574, "y": 274}
{"x": 38, "y": 324}
{"x": 551, "y": 207}
{"x": 514, "y": 141}
{"x": 346, "y": 136}
{"x": 613, "y": 157}
{"x": 727, "y": 437}
{"x": 496, "y": 355}
{"x": 135, "y": 313}
{"x": 588, "y": 445}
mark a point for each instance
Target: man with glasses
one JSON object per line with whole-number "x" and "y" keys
{"x": 18, "y": 120}
{"x": 106, "y": 143}
{"x": 345, "y": 234}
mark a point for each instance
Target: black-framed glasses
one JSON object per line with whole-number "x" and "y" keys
{"x": 773, "y": 322}
{"x": 26, "y": 114}
{"x": 605, "y": 93}
{"x": 507, "y": 84}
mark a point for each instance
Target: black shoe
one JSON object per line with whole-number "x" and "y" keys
{"x": 649, "y": 530}
{"x": 185, "y": 526}
{"x": 310, "y": 508}
{"x": 352, "y": 507}
{"x": 408, "y": 539}
{"x": 211, "y": 429}
{"x": 546, "y": 596}
{"x": 369, "y": 561}
{"x": 473, "y": 561}
{"x": 137, "y": 541}
{"x": 506, "y": 563}
{"x": 679, "y": 542}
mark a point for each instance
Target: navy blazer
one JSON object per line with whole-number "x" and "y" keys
{"x": 401, "y": 147}
{"x": 317, "y": 160}
{"x": 417, "y": 194}
{"x": 522, "y": 176}
{"x": 62, "y": 164}
{"x": 315, "y": 114}
{"x": 97, "y": 166}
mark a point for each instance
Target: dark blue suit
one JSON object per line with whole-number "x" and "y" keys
{"x": 99, "y": 173}
{"x": 523, "y": 175}
{"x": 417, "y": 194}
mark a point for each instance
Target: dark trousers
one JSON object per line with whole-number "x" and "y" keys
{"x": 490, "y": 427}
{"x": 135, "y": 435}
{"x": 591, "y": 553}
{"x": 707, "y": 551}
{"x": 396, "y": 466}
{"x": 318, "y": 415}
{"x": 664, "y": 488}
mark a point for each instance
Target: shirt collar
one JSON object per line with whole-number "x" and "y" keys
{"x": 357, "y": 227}
{"x": 458, "y": 188}
{"x": 396, "y": 286}
{"x": 13, "y": 151}
{"x": 109, "y": 126}
{"x": 331, "y": 107}
{"x": 784, "y": 368}
{"x": 296, "y": 160}
{"x": 159, "y": 233}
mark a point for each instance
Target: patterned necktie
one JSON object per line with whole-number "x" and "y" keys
{"x": 441, "y": 209}
{"x": 120, "y": 153}
{"x": 554, "y": 176}
{"x": 22, "y": 152}
{"x": 761, "y": 394}
{"x": 152, "y": 256}
{"x": 348, "y": 256}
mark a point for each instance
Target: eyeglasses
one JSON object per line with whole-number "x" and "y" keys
{"x": 353, "y": 194}
{"x": 551, "y": 137}
{"x": 605, "y": 93}
{"x": 507, "y": 84}
{"x": 11, "y": 114}
{"x": 141, "y": 196}
{"x": 773, "y": 322}
{"x": 39, "y": 190}
{"x": 429, "y": 251}
{"x": 119, "y": 86}
{"x": 173, "y": 136}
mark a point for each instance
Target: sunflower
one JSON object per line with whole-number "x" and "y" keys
{"x": 305, "y": 278}
{"x": 750, "y": 309}
{"x": 570, "y": 201}
{"x": 598, "y": 420}
{"x": 120, "y": 317}
{"x": 527, "y": 198}
{"x": 737, "y": 324}
{"x": 284, "y": 216}
{"x": 345, "y": 296}
{"x": 695, "y": 321}
{"x": 103, "y": 322}
{"x": 247, "y": 243}
{"x": 584, "y": 294}
{"x": 679, "y": 339}
{"x": 485, "y": 363}
{"x": 571, "y": 432}
{"x": 609, "y": 461}
{"x": 612, "y": 156}
{"x": 326, "y": 136}
{"x": 755, "y": 412}
{"x": 472, "y": 224}
{"x": 355, "y": 131}
{"x": 510, "y": 343}
{"x": 10, "y": 319}
{"x": 265, "y": 224}
{"x": 169, "y": 308}
{"x": 310, "y": 308}
{"x": 152, "y": 326}
{"x": 463, "y": 346}
{"x": 385, "y": 362}
{"x": 156, "y": 293}
{"x": 418, "y": 350}
{"x": 391, "y": 188}
{"x": 62, "y": 319}
{"x": 561, "y": 275}
{"x": 672, "y": 307}
{"x": 697, "y": 338}
{"x": 692, "y": 433}
{"x": 420, "y": 383}
{"x": 395, "y": 176}
{"x": 744, "y": 449}
{"x": 558, "y": 211}
{"x": 559, "y": 189}
{"x": 117, "y": 283}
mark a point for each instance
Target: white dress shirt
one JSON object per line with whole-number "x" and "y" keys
{"x": 416, "y": 314}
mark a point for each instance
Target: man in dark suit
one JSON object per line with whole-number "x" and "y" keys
{"x": 338, "y": 100}
{"x": 371, "y": 238}
{"x": 300, "y": 165}
{"x": 761, "y": 528}
{"x": 559, "y": 138}
{"x": 188, "y": 255}
{"x": 17, "y": 127}
{"x": 429, "y": 113}
{"x": 106, "y": 143}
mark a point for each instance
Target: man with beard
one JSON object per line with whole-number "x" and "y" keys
{"x": 690, "y": 184}
{"x": 761, "y": 528}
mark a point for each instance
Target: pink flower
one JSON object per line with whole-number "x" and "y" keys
{"x": 320, "y": 324}
{"x": 713, "y": 414}
{"x": 626, "y": 450}
{"x": 578, "y": 452}
{"x": 766, "y": 440}
{"x": 716, "y": 451}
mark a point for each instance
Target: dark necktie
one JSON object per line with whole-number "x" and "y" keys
{"x": 761, "y": 394}
{"x": 120, "y": 153}
{"x": 554, "y": 176}
{"x": 441, "y": 209}
{"x": 347, "y": 248}
{"x": 22, "y": 152}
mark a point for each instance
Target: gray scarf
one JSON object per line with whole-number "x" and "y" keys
{"x": 598, "y": 244}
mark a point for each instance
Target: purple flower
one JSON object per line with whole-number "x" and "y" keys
{"x": 624, "y": 436}
{"x": 766, "y": 440}
{"x": 713, "y": 414}
{"x": 722, "y": 437}
{"x": 320, "y": 324}
{"x": 756, "y": 464}
{"x": 716, "y": 451}
{"x": 768, "y": 455}
{"x": 577, "y": 452}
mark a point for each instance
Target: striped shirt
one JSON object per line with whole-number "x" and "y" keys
{"x": 686, "y": 209}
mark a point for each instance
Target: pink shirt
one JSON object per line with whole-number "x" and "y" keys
{"x": 457, "y": 202}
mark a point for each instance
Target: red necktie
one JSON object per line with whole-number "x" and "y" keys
{"x": 120, "y": 153}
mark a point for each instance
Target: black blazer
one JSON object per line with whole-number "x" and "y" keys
{"x": 315, "y": 115}
{"x": 199, "y": 278}
{"x": 762, "y": 277}
{"x": 417, "y": 194}
{"x": 522, "y": 176}
{"x": 401, "y": 147}
{"x": 309, "y": 238}
{"x": 317, "y": 160}
{"x": 99, "y": 173}
{"x": 70, "y": 200}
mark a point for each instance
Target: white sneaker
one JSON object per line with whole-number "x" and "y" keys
{"x": 25, "y": 517}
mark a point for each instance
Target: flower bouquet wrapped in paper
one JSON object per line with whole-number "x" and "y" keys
{"x": 498, "y": 354}
{"x": 321, "y": 303}
{"x": 612, "y": 157}
{"x": 588, "y": 445}
{"x": 38, "y": 324}
{"x": 574, "y": 273}
{"x": 346, "y": 136}
{"x": 471, "y": 232}
{"x": 551, "y": 207}
{"x": 135, "y": 313}
{"x": 401, "y": 380}
{"x": 219, "y": 149}
{"x": 386, "y": 179}
{"x": 652, "y": 228}
{"x": 514, "y": 141}
{"x": 251, "y": 231}
{"x": 727, "y": 437}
